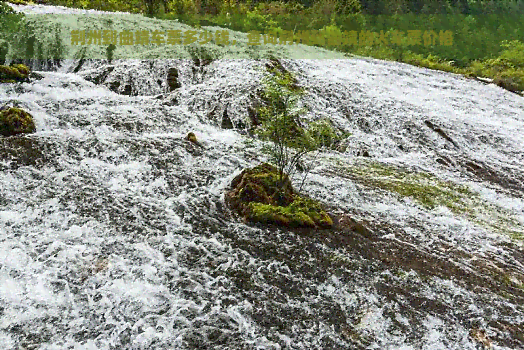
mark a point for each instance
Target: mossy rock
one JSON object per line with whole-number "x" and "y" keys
{"x": 302, "y": 212}
{"x": 261, "y": 184}
{"x": 15, "y": 73}
{"x": 259, "y": 195}
{"x": 15, "y": 121}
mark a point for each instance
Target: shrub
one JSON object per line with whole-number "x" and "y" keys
{"x": 513, "y": 53}
{"x": 324, "y": 134}
{"x": 280, "y": 122}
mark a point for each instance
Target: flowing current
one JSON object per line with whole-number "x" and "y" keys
{"x": 114, "y": 233}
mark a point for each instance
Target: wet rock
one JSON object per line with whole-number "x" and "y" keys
{"x": 191, "y": 137}
{"x": 259, "y": 195}
{"x": 480, "y": 336}
{"x": 445, "y": 161}
{"x": 14, "y": 73}
{"x": 114, "y": 85}
{"x": 128, "y": 77}
{"x": 359, "y": 153}
{"x": 348, "y": 224}
{"x": 14, "y": 121}
{"x": 501, "y": 177}
{"x": 81, "y": 61}
{"x": 172, "y": 79}
{"x": 193, "y": 146}
{"x": 128, "y": 90}
{"x": 253, "y": 116}
{"x": 226, "y": 121}
{"x": 99, "y": 76}
{"x": 35, "y": 76}
{"x": 439, "y": 131}
{"x": 22, "y": 151}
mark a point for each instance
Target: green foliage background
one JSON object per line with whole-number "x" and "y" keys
{"x": 488, "y": 35}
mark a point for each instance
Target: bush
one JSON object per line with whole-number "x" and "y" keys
{"x": 9, "y": 20}
{"x": 280, "y": 122}
{"x": 513, "y": 53}
{"x": 510, "y": 79}
{"x": 324, "y": 134}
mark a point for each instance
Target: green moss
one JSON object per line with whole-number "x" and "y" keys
{"x": 431, "y": 192}
{"x": 426, "y": 189}
{"x": 260, "y": 195}
{"x": 518, "y": 236}
{"x": 302, "y": 212}
{"x": 15, "y": 121}
{"x": 22, "y": 69}
{"x": 17, "y": 73}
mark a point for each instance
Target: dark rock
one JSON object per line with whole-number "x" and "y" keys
{"x": 226, "y": 121}
{"x": 495, "y": 176}
{"x": 100, "y": 77}
{"x": 172, "y": 79}
{"x": 439, "y": 131}
{"x": 80, "y": 63}
{"x": 128, "y": 90}
{"x": 253, "y": 116}
{"x": 22, "y": 151}
{"x": 36, "y": 76}
{"x": 445, "y": 161}
{"x": 363, "y": 153}
{"x": 348, "y": 224}
{"x": 114, "y": 85}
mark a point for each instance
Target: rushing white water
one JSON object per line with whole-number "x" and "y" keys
{"x": 114, "y": 233}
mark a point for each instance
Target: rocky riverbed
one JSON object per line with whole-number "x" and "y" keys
{"x": 114, "y": 232}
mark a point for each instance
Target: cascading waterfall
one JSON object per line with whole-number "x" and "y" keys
{"x": 114, "y": 233}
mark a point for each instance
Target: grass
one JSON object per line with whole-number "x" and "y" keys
{"x": 426, "y": 189}
{"x": 430, "y": 192}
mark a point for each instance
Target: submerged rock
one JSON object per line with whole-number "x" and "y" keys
{"x": 15, "y": 73}
{"x": 259, "y": 195}
{"x": 15, "y": 121}
{"x": 172, "y": 79}
{"x": 22, "y": 151}
{"x": 191, "y": 137}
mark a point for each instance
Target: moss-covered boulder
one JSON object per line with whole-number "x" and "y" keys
{"x": 15, "y": 73}
{"x": 15, "y": 121}
{"x": 259, "y": 195}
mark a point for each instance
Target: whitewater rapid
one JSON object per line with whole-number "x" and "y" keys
{"x": 114, "y": 233}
